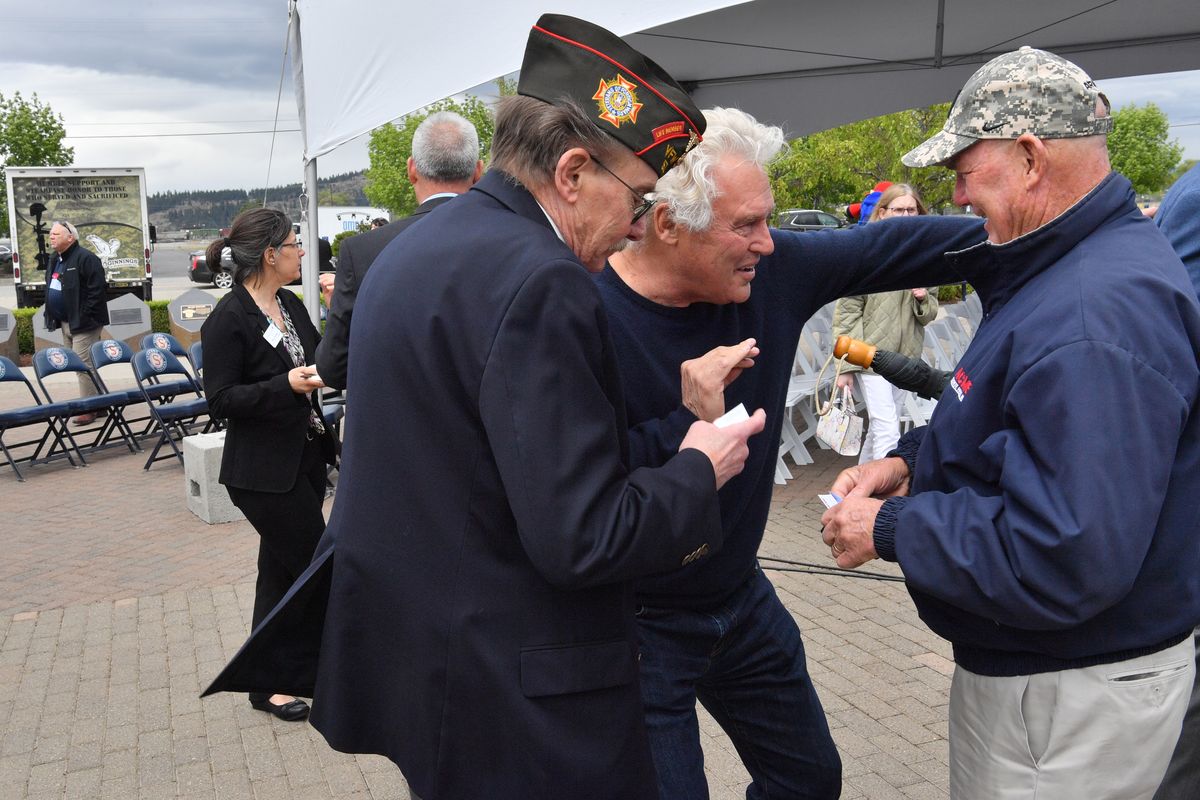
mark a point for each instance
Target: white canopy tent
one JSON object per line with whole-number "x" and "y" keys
{"x": 804, "y": 65}
{"x": 356, "y": 68}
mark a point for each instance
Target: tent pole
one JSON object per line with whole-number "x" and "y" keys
{"x": 941, "y": 31}
{"x": 311, "y": 263}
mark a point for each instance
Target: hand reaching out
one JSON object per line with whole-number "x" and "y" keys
{"x": 703, "y": 380}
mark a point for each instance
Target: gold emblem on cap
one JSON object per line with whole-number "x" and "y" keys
{"x": 670, "y": 159}
{"x": 617, "y": 101}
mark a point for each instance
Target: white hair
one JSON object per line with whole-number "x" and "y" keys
{"x": 689, "y": 189}
{"x": 445, "y": 147}
{"x": 69, "y": 228}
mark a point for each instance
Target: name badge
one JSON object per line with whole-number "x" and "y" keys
{"x": 272, "y": 335}
{"x": 56, "y": 284}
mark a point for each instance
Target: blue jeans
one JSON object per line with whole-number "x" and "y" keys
{"x": 744, "y": 661}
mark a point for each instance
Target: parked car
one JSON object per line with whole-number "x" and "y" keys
{"x": 6, "y": 256}
{"x": 199, "y": 271}
{"x": 807, "y": 219}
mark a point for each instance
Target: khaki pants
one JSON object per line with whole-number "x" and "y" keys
{"x": 82, "y": 343}
{"x": 1097, "y": 733}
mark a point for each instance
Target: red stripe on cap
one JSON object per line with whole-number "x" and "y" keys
{"x": 648, "y": 148}
{"x": 619, "y": 65}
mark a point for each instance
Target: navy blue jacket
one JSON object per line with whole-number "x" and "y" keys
{"x": 355, "y": 258}
{"x": 479, "y": 619}
{"x": 1179, "y": 220}
{"x": 1052, "y": 520}
{"x": 84, "y": 289}
{"x": 806, "y": 271}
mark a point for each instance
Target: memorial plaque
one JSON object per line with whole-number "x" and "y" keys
{"x": 9, "y": 346}
{"x": 43, "y": 338}
{"x": 128, "y": 320}
{"x": 188, "y": 312}
{"x": 193, "y": 312}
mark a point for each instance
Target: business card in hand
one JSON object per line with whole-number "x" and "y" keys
{"x": 830, "y": 500}
{"x": 734, "y": 415}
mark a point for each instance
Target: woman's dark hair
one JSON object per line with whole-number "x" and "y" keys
{"x": 252, "y": 233}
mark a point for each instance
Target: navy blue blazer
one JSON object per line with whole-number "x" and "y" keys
{"x": 355, "y": 258}
{"x": 475, "y": 580}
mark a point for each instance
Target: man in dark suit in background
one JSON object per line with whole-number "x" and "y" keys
{"x": 444, "y": 163}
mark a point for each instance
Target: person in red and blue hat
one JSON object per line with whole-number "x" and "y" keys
{"x": 476, "y": 580}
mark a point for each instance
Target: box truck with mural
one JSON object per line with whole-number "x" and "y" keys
{"x": 107, "y": 207}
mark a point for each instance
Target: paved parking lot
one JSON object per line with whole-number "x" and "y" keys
{"x": 117, "y": 606}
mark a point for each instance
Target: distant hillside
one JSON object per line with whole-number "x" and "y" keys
{"x": 172, "y": 211}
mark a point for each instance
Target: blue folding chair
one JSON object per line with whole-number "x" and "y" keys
{"x": 172, "y": 417}
{"x": 165, "y": 341}
{"x": 196, "y": 357}
{"x": 53, "y": 415}
{"x": 109, "y": 353}
{"x": 333, "y": 410}
{"x": 60, "y": 361}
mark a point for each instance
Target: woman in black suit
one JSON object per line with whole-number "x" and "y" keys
{"x": 258, "y": 345}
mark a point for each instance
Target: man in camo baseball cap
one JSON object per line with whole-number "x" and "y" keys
{"x": 1088, "y": 313}
{"x": 1025, "y": 91}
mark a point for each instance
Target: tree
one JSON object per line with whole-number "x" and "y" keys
{"x": 1139, "y": 150}
{"x": 1179, "y": 171}
{"x": 31, "y": 135}
{"x": 390, "y": 146}
{"x": 838, "y": 166}
{"x": 249, "y": 204}
{"x": 328, "y": 197}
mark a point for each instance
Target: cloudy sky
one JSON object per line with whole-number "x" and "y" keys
{"x": 138, "y": 82}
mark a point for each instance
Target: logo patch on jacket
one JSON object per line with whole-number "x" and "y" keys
{"x": 961, "y": 383}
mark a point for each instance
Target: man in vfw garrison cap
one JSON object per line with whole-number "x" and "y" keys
{"x": 1045, "y": 519}
{"x": 479, "y": 626}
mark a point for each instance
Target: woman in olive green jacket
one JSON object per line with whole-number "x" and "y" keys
{"x": 891, "y": 321}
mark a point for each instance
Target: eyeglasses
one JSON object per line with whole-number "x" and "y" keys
{"x": 903, "y": 209}
{"x": 647, "y": 201}
{"x": 288, "y": 244}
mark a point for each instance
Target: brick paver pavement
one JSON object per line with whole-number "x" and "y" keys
{"x": 117, "y": 606}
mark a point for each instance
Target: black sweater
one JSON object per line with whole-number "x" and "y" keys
{"x": 806, "y": 271}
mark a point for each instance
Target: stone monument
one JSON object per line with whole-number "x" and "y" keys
{"x": 42, "y": 337}
{"x": 9, "y": 346}
{"x": 188, "y": 312}
{"x": 128, "y": 320}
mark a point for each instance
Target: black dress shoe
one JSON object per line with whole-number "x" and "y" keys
{"x": 292, "y": 711}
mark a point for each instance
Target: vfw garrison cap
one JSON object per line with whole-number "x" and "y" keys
{"x": 627, "y": 95}
{"x": 1025, "y": 91}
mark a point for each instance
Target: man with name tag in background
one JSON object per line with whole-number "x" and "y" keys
{"x": 76, "y": 300}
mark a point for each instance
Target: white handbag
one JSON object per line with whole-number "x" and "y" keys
{"x": 837, "y": 424}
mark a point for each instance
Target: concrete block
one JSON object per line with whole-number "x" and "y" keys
{"x": 206, "y": 498}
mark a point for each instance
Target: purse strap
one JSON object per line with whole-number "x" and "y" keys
{"x": 821, "y": 409}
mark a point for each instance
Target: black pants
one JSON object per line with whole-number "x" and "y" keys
{"x": 289, "y": 525}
